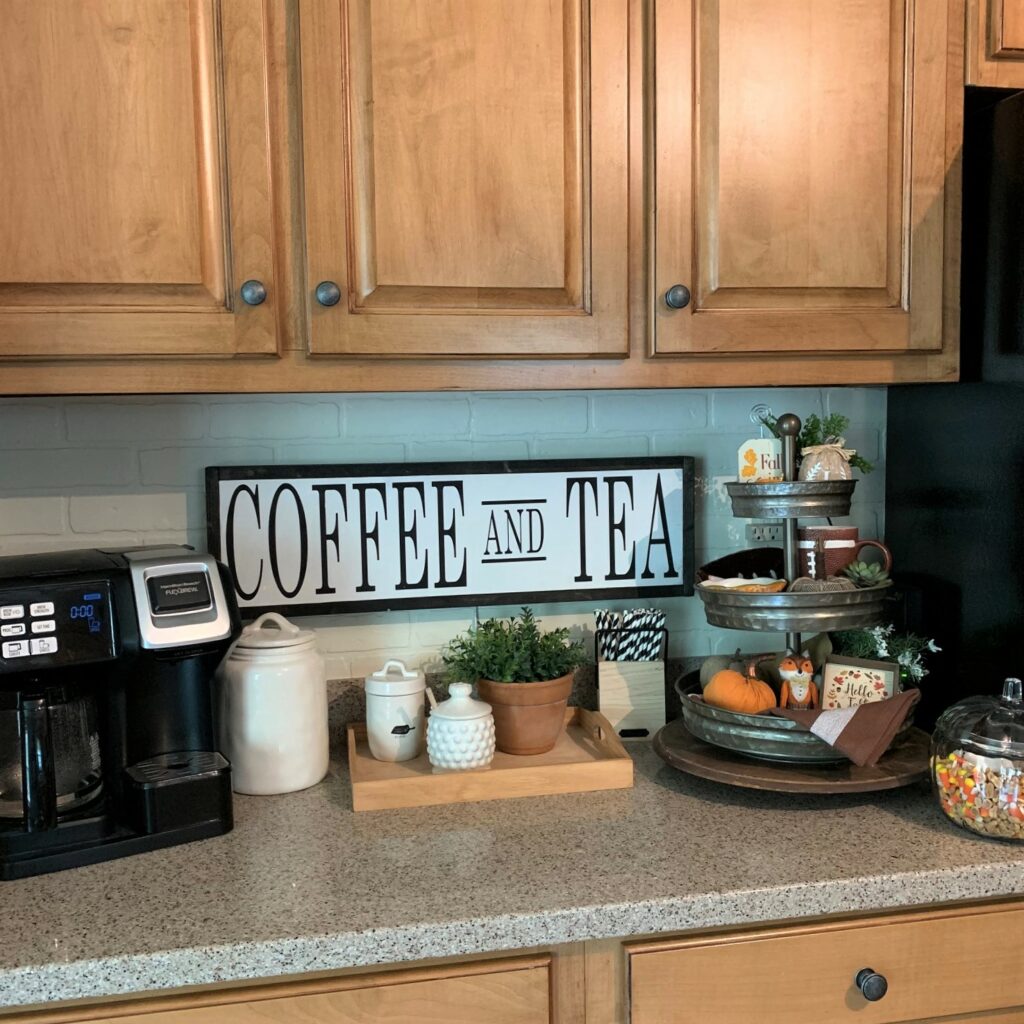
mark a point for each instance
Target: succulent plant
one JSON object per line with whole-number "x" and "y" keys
{"x": 866, "y": 574}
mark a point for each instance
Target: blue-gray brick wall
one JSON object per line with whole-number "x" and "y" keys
{"x": 87, "y": 472}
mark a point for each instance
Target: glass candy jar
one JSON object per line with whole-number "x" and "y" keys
{"x": 977, "y": 763}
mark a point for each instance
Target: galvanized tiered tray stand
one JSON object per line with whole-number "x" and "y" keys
{"x": 802, "y": 612}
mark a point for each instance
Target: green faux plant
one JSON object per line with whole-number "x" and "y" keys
{"x": 512, "y": 651}
{"x": 866, "y": 574}
{"x": 816, "y": 430}
{"x": 883, "y": 643}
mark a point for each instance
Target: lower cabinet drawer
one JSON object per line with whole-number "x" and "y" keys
{"x": 495, "y": 992}
{"x": 936, "y": 965}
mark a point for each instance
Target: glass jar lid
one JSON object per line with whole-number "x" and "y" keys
{"x": 273, "y": 632}
{"x": 460, "y": 706}
{"x": 992, "y": 726}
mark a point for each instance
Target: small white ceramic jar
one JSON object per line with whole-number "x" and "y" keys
{"x": 273, "y": 708}
{"x": 460, "y": 733}
{"x": 395, "y": 721}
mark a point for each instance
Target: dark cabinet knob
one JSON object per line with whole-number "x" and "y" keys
{"x": 254, "y": 293}
{"x": 872, "y": 986}
{"x": 328, "y": 293}
{"x": 677, "y": 297}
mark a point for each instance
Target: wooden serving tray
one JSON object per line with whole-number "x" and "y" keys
{"x": 905, "y": 763}
{"x": 587, "y": 756}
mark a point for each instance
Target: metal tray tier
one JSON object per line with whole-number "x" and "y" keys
{"x": 760, "y": 736}
{"x": 802, "y": 612}
{"x": 796, "y": 500}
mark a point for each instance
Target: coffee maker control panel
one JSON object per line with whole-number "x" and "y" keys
{"x": 56, "y": 626}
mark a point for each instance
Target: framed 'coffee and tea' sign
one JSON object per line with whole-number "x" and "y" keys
{"x": 317, "y": 539}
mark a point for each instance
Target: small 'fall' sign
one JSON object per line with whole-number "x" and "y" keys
{"x": 760, "y": 461}
{"x": 847, "y": 682}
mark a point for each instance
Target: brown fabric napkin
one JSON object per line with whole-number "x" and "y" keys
{"x": 863, "y": 733}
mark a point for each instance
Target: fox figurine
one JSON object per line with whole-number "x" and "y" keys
{"x": 799, "y": 691}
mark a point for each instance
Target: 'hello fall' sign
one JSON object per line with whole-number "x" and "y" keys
{"x": 355, "y": 538}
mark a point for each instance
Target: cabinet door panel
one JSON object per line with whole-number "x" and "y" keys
{"x": 465, "y": 165}
{"x": 135, "y": 159}
{"x": 800, "y": 171}
{"x": 495, "y": 992}
{"x": 1011, "y": 27}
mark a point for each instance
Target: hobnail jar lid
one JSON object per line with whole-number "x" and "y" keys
{"x": 394, "y": 680}
{"x": 460, "y": 706}
{"x": 992, "y": 726}
{"x": 273, "y": 632}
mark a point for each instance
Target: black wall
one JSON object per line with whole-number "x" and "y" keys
{"x": 955, "y": 522}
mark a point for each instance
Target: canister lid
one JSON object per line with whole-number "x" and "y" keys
{"x": 460, "y": 705}
{"x": 991, "y": 726}
{"x": 274, "y": 632}
{"x": 394, "y": 680}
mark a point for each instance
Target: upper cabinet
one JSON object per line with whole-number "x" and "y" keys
{"x": 136, "y": 184}
{"x": 995, "y": 43}
{"x": 402, "y": 195}
{"x": 803, "y": 155}
{"x": 466, "y": 177}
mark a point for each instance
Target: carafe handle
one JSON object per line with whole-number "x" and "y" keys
{"x": 38, "y": 777}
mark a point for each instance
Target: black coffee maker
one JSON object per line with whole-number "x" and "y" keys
{"x": 107, "y": 734}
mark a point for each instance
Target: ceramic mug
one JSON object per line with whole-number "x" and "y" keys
{"x": 828, "y": 550}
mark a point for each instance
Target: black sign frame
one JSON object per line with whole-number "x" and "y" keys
{"x": 341, "y": 471}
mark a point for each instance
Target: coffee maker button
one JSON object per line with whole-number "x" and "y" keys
{"x": 43, "y": 626}
{"x": 12, "y": 611}
{"x": 13, "y": 629}
{"x": 16, "y": 649}
{"x": 40, "y": 609}
{"x": 47, "y": 645}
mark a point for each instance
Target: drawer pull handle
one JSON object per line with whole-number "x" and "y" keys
{"x": 872, "y": 986}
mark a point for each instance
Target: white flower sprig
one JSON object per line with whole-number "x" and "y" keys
{"x": 908, "y": 650}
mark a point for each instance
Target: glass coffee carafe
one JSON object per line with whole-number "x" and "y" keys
{"x": 50, "y": 761}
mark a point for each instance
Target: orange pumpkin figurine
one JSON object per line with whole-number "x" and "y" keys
{"x": 798, "y": 689}
{"x": 733, "y": 691}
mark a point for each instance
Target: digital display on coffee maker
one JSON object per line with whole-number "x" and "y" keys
{"x": 55, "y": 626}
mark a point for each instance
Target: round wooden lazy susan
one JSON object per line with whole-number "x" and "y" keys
{"x": 902, "y": 765}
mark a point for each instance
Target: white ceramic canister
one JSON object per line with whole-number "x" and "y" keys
{"x": 460, "y": 733}
{"x": 273, "y": 708}
{"x": 395, "y": 722}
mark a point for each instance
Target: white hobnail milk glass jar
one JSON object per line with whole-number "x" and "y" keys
{"x": 460, "y": 733}
{"x": 273, "y": 708}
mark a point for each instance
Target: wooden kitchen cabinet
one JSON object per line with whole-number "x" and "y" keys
{"x": 804, "y": 176}
{"x": 135, "y": 162}
{"x": 937, "y": 964}
{"x": 493, "y": 194}
{"x": 465, "y": 166}
{"x": 995, "y": 43}
{"x": 942, "y": 964}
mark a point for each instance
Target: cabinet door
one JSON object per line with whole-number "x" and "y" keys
{"x": 135, "y": 170}
{"x": 800, "y": 164}
{"x": 466, "y": 176}
{"x": 995, "y": 44}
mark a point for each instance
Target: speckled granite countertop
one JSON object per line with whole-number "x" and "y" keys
{"x": 303, "y": 884}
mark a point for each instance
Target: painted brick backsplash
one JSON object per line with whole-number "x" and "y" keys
{"x": 89, "y": 472}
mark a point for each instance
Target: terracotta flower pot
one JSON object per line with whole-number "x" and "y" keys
{"x": 528, "y": 717}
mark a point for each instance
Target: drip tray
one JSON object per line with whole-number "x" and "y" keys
{"x": 173, "y": 790}
{"x": 166, "y": 769}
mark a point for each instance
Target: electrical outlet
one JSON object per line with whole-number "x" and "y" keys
{"x": 764, "y": 533}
